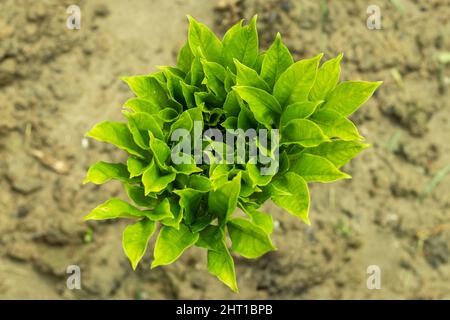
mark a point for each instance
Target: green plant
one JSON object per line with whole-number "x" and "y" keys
{"x": 226, "y": 85}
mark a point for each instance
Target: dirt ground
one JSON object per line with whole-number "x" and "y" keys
{"x": 56, "y": 83}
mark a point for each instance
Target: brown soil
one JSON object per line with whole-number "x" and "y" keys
{"x": 56, "y": 83}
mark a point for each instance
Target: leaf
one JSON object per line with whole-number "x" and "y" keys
{"x": 161, "y": 151}
{"x": 264, "y": 106}
{"x": 215, "y": 77}
{"x": 118, "y": 134}
{"x": 327, "y": 79}
{"x": 247, "y": 239}
{"x": 142, "y": 105}
{"x": 115, "y": 208}
{"x": 262, "y": 220}
{"x": 291, "y": 193}
{"x": 102, "y": 172}
{"x": 188, "y": 94}
{"x": 339, "y": 152}
{"x": 241, "y": 43}
{"x": 144, "y": 122}
{"x": 171, "y": 243}
{"x": 153, "y": 180}
{"x": 348, "y": 96}
{"x": 255, "y": 175}
{"x": 334, "y": 125}
{"x": 248, "y": 77}
{"x": 147, "y": 87}
{"x": 314, "y": 168}
{"x": 223, "y": 200}
{"x": 185, "y": 58}
{"x": 220, "y": 262}
{"x": 135, "y": 167}
{"x": 135, "y": 239}
{"x": 197, "y": 74}
{"x": 137, "y": 194}
{"x": 203, "y": 42}
{"x": 298, "y": 110}
{"x": 303, "y": 132}
{"x": 177, "y": 216}
{"x": 161, "y": 211}
{"x": 276, "y": 60}
{"x": 189, "y": 203}
{"x": 231, "y": 105}
{"x": 296, "y": 82}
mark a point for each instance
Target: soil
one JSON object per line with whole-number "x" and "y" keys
{"x": 55, "y": 83}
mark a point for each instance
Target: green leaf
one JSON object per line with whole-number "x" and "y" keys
{"x": 177, "y": 216}
{"x": 248, "y": 77}
{"x": 276, "y": 60}
{"x": 298, "y": 110}
{"x": 118, "y": 134}
{"x": 162, "y": 211}
{"x": 291, "y": 193}
{"x": 302, "y": 132}
{"x": 137, "y": 194}
{"x": 339, "y": 152}
{"x": 314, "y": 168}
{"x": 135, "y": 239}
{"x": 203, "y": 42}
{"x": 197, "y": 74}
{"x": 223, "y": 200}
{"x": 161, "y": 151}
{"x": 147, "y": 87}
{"x": 135, "y": 167}
{"x": 247, "y": 239}
{"x": 241, "y": 43}
{"x": 115, "y": 208}
{"x": 200, "y": 183}
{"x": 220, "y": 262}
{"x": 142, "y": 105}
{"x": 327, "y": 79}
{"x": 171, "y": 243}
{"x": 188, "y": 94}
{"x": 102, "y": 172}
{"x": 215, "y": 77}
{"x": 189, "y": 203}
{"x": 231, "y": 105}
{"x": 140, "y": 121}
{"x": 264, "y": 106}
{"x": 334, "y": 125}
{"x": 348, "y": 96}
{"x": 185, "y": 58}
{"x": 255, "y": 175}
{"x": 296, "y": 82}
{"x": 261, "y": 219}
{"x": 153, "y": 180}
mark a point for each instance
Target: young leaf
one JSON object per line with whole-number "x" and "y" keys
{"x": 135, "y": 167}
{"x": 154, "y": 181}
{"x": 161, "y": 151}
{"x": 140, "y": 121}
{"x": 223, "y": 200}
{"x": 327, "y": 79}
{"x": 142, "y": 105}
{"x": 137, "y": 194}
{"x": 264, "y": 106}
{"x": 203, "y": 42}
{"x": 114, "y": 208}
{"x": 189, "y": 203}
{"x": 314, "y": 168}
{"x": 296, "y": 82}
{"x": 147, "y": 87}
{"x": 248, "y": 77}
{"x": 334, "y": 125}
{"x": 161, "y": 211}
{"x": 220, "y": 262}
{"x": 339, "y": 152}
{"x": 215, "y": 77}
{"x": 118, "y": 134}
{"x": 276, "y": 60}
{"x": 241, "y": 43}
{"x": 262, "y": 220}
{"x": 302, "y": 132}
{"x": 291, "y": 193}
{"x": 185, "y": 58}
{"x": 247, "y": 239}
{"x": 171, "y": 243}
{"x": 298, "y": 110}
{"x": 102, "y": 172}
{"x": 135, "y": 238}
{"x": 349, "y": 96}
{"x": 177, "y": 216}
